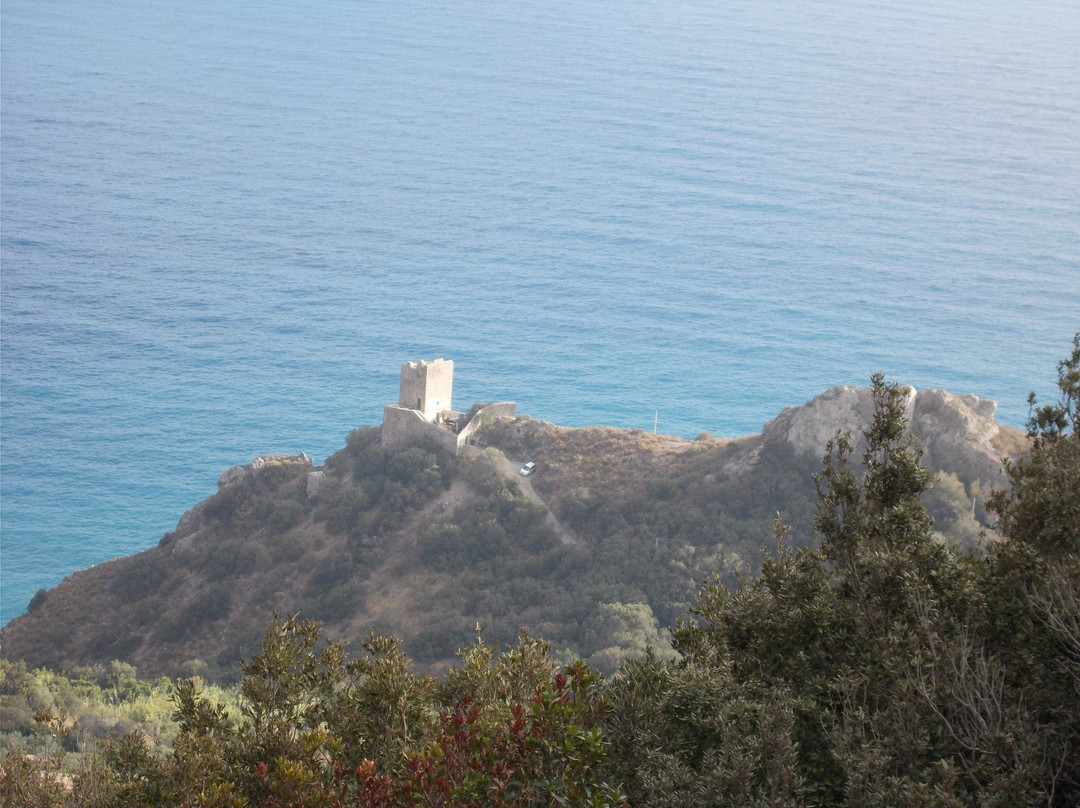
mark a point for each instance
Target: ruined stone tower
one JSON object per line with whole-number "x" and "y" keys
{"x": 423, "y": 413}
{"x": 427, "y": 387}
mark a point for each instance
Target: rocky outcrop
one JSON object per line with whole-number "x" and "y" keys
{"x": 191, "y": 524}
{"x": 808, "y": 427}
{"x": 957, "y": 433}
{"x": 314, "y": 481}
{"x": 237, "y": 474}
{"x": 233, "y": 476}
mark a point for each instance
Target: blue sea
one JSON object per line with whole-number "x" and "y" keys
{"x": 224, "y": 226}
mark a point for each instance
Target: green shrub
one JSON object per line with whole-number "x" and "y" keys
{"x": 114, "y": 644}
{"x": 229, "y": 558}
{"x": 336, "y": 568}
{"x": 210, "y": 604}
{"x": 141, "y": 575}
{"x": 285, "y": 515}
{"x": 337, "y": 602}
{"x": 38, "y": 600}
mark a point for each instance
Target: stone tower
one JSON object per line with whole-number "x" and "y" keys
{"x": 427, "y": 386}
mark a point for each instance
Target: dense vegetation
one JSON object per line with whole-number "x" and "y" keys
{"x": 880, "y": 666}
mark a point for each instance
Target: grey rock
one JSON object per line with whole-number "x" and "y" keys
{"x": 314, "y": 481}
{"x": 280, "y": 460}
{"x": 233, "y": 476}
{"x": 238, "y": 474}
{"x": 958, "y": 432}
{"x": 808, "y": 427}
{"x": 191, "y": 520}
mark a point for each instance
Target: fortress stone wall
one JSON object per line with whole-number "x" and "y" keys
{"x": 403, "y": 426}
{"x": 500, "y": 409}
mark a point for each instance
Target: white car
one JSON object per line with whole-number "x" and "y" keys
{"x": 527, "y": 469}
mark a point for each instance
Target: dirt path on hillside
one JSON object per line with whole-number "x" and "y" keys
{"x": 512, "y": 470}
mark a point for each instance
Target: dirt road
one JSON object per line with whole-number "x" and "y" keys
{"x": 513, "y": 470}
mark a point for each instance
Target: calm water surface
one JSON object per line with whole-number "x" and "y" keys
{"x": 224, "y": 226}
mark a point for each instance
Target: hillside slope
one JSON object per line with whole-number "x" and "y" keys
{"x": 426, "y": 546}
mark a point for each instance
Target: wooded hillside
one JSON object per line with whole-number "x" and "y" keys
{"x": 620, "y": 530}
{"x": 880, "y": 666}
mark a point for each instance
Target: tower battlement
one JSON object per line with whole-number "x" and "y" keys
{"x": 427, "y": 387}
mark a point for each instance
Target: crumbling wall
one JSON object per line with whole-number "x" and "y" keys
{"x": 403, "y": 426}
{"x": 501, "y": 409}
